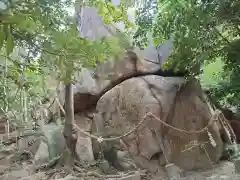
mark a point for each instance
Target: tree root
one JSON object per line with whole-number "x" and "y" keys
{"x": 48, "y": 165}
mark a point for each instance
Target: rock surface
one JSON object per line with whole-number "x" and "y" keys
{"x": 123, "y": 107}
{"x": 54, "y": 143}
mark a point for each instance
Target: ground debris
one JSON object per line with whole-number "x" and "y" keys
{"x": 14, "y": 167}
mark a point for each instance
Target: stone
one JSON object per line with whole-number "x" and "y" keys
{"x": 237, "y": 165}
{"x": 105, "y": 167}
{"x": 70, "y": 177}
{"x": 84, "y": 149}
{"x": 120, "y": 110}
{"x": 17, "y": 174}
{"x": 3, "y": 168}
{"x": 122, "y": 154}
{"x": 42, "y": 154}
{"x": 125, "y": 160}
{"x": 83, "y": 122}
{"x": 34, "y": 147}
{"x": 54, "y": 136}
{"x": 5, "y": 163}
{"x": 51, "y": 145}
{"x": 173, "y": 172}
{"x": 135, "y": 176}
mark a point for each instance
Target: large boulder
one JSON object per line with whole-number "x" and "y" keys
{"x": 171, "y": 100}
{"x": 90, "y": 82}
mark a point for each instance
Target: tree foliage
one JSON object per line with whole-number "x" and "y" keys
{"x": 38, "y": 39}
{"x": 204, "y": 31}
{"x": 41, "y": 37}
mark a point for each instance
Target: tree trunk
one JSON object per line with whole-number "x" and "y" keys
{"x": 70, "y": 138}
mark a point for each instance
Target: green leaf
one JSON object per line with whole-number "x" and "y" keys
{"x": 10, "y": 45}
{"x": 2, "y": 37}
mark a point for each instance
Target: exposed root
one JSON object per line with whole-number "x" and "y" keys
{"x": 48, "y": 165}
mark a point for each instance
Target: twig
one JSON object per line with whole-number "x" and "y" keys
{"x": 162, "y": 147}
{"x": 61, "y": 107}
{"x": 152, "y": 61}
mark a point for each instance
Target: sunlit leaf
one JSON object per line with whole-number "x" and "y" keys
{"x": 2, "y": 36}
{"x": 9, "y": 45}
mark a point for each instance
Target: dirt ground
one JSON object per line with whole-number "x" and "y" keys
{"x": 222, "y": 171}
{"x": 24, "y": 171}
{"x": 20, "y": 166}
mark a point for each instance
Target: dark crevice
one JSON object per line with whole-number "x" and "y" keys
{"x": 156, "y": 156}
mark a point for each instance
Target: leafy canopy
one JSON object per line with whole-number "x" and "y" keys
{"x": 204, "y": 31}
{"x": 39, "y": 38}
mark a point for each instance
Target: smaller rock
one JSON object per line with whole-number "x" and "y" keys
{"x": 122, "y": 154}
{"x": 173, "y": 172}
{"x": 128, "y": 165}
{"x": 237, "y": 165}
{"x": 5, "y": 163}
{"x": 37, "y": 176}
{"x": 69, "y": 177}
{"x": 3, "y": 168}
{"x": 105, "y": 167}
{"x": 34, "y": 146}
{"x": 42, "y": 154}
{"x": 55, "y": 139}
{"x": 125, "y": 160}
{"x": 84, "y": 122}
{"x": 135, "y": 176}
{"x": 84, "y": 149}
{"x": 17, "y": 174}
{"x": 223, "y": 177}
